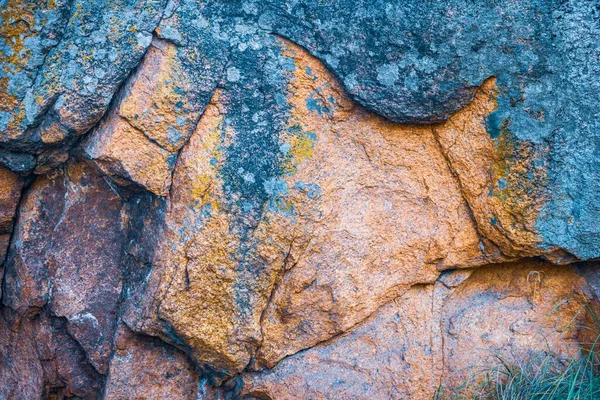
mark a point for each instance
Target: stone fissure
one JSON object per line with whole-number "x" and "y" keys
{"x": 16, "y": 218}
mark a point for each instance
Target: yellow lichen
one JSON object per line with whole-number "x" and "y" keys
{"x": 18, "y": 21}
{"x": 301, "y": 147}
{"x": 517, "y": 181}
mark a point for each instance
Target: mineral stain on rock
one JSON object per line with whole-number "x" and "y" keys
{"x": 284, "y": 199}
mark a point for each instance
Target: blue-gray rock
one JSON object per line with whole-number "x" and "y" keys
{"x": 61, "y": 70}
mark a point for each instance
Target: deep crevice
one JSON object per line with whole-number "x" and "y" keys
{"x": 16, "y": 219}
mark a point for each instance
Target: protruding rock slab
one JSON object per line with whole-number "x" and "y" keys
{"x": 26, "y": 277}
{"x": 139, "y": 140}
{"x": 155, "y": 101}
{"x": 147, "y": 368}
{"x": 499, "y": 177}
{"x": 125, "y": 154}
{"x": 378, "y": 211}
{"x": 157, "y": 112}
{"x": 76, "y": 268}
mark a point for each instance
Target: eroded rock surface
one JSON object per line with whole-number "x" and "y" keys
{"x": 10, "y": 194}
{"x": 59, "y": 78}
{"x": 70, "y": 209}
{"x": 353, "y": 187}
{"x": 274, "y": 199}
{"x": 144, "y": 368}
{"x": 160, "y": 107}
{"x": 440, "y": 334}
{"x": 63, "y": 62}
{"x": 525, "y": 309}
{"x": 390, "y": 356}
{"x": 39, "y": 359}
{"x": 300, "y": 221}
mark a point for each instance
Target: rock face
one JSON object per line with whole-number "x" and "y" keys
{"x": 439, "y": 334}
{"x": 40, "y": 359}
{"x": 159, "y": 110}
{"x": 275, "y": 200}
{"x": 56, "y": 274}
{"x": 144, "y": 368}
{"x": 63, "y": 62}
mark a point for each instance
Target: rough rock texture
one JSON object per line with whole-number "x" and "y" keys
{"x": 277, "y": 199}
{"x": 59, "y": 79}
{"x": 317, "y": 215}
{"x": 39, "y": 359}
{"x": 144, "y": 368}
{"x": 10, "y": 194}
{"x": 62, "y": 63}
{"x": 439, "y": 334}
{"x": 524, "y": 309}
{"x": 160, "y": 108}
{"x": 392, "y": 355}
{"x": 81, "y": 284}
{"x": 503, "y": 202}
{"x": 378, "y": 211}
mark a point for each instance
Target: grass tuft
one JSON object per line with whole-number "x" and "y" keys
{"x": 543, "y": 376}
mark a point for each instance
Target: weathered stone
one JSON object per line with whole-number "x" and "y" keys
{"x": 38, "y": 359}
{"x": 420, "y": 61}
{"x": 125, "y": 154}
{"x": 10, "y": 193}
{"x": 22, "y": 163}
{"x": 391, "y": 356}
{"x": 344, "y": 222}
{"x": 439, "y": 334}
{"x": 147, "y": 368}
{"x": 64, "y": 63}
{"x": 307, "y": 185}
{"x": 515, "y": 312}
{"x": 500, "y": 182}
{"x": 76, "y": 269}
{"x": 154, "y": 101}
{"x": 158, "y": 109}
{"x": 30, "y": 29}
{"x": 26, "y": 277}
{"x": 196, "y": 304}
{"x": 378, "y": 211}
